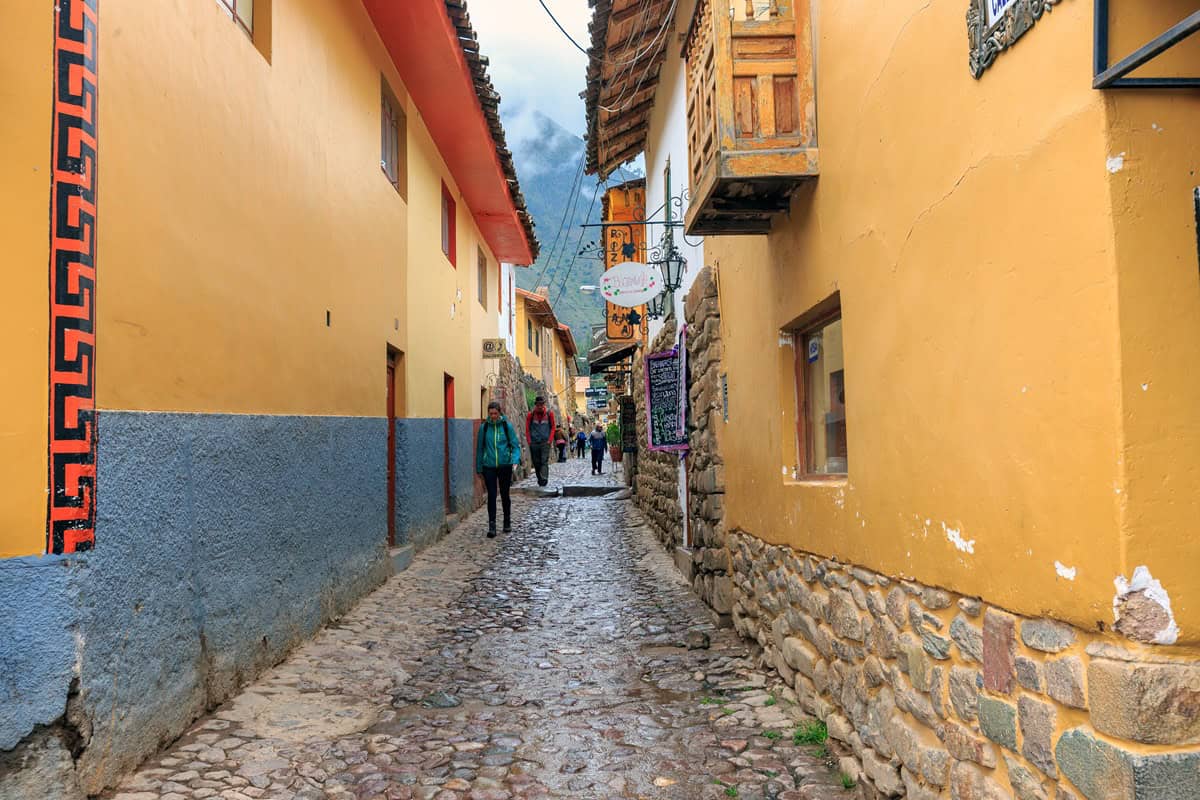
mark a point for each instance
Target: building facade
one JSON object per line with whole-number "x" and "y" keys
{"x": 253, "y": 319}
{"x": 974, "y": 569}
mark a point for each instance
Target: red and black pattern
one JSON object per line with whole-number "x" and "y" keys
{"x": 71, "y": 517}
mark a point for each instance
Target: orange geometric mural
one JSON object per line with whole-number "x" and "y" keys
{"x": 71, "y": 514}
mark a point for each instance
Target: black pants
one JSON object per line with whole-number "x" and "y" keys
{"x": 540, "y": 454}
{"x": 562, "y": 452}
{"x": 581, "y": 447}
{"x": 597, "y": 461}
{"x": 498, "y": 478}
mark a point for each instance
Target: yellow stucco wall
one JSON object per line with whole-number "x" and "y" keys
{"x": 236, "y": 217}
{"x": 1153, "y": 174}
{"x": 967, "y": 226}
{"x": 25, "y": 96}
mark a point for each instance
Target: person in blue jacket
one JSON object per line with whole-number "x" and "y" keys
{"x": 497, "y": 451}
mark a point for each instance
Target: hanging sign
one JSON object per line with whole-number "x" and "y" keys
{"x": 631, "y": 284}
{"x": 666, "y": 401}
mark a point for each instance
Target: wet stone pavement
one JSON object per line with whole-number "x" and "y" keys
{"x": 566, "y": 659}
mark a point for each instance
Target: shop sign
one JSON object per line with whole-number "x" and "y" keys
{"x": 666, "y": 400}
{"x": 631, "y": 284}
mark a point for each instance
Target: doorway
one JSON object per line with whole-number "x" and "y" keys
{"x": 447, "y": 415}
{"x": 391, "y": 448}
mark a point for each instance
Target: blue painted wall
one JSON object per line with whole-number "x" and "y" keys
{"x": 462, "y": 465}
{"x": 420, "y": 496}
{"x": 37, "y": 642}
{"x": 222, "y": 541}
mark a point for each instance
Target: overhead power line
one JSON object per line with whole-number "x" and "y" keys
{"x": 558, "y": 24}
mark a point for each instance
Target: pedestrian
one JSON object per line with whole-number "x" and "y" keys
{"x": 539, "y": 431}
{"x": 580, "y": 444}
{"x": 599, "y": 442}
{"x": 560, "y": 441}
{"x": 497, "y": 451}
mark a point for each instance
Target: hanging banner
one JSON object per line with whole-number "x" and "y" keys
{"x": 624, "y": 243}
{"x": 666, "y": 400}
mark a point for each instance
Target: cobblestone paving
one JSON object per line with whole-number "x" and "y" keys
{"x": 566, "y": 659}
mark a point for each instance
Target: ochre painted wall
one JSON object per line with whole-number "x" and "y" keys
{"x": 967, "y": 226}
{"x": 446, "y": 325}
{"x": 1155, "y": 159}
{"x": 237, "y": 217}
{"x": 25, "y": 98}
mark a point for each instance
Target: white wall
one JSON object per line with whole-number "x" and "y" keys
{"x": 667, "y": 138}
{"x": 508, "y": 321}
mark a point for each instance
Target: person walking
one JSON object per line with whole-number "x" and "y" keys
{"x": 497, "y": 451}
{"x": 539, "y": 431}
{"x": 599, "y": 443}
{"x": 580, "y": 444}
{"x": 560, "y": 442}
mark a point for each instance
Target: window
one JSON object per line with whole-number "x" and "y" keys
{"x": 821, "y": 393}
{"x": 393, "y": 138}
{"x": 242, "y": 12}
{"x": 528, "y": 335}
{"x": 449, "y": 227}
{"x": 482, "y": 278}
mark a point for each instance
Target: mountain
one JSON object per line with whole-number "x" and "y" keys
{"x": 548, "y": 159}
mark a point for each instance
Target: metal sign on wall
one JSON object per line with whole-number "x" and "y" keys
{"x": 993, "y": 26}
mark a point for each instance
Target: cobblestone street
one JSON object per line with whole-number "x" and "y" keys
{"x": 566, "y": 659}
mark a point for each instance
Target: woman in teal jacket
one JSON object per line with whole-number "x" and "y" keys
{"x": 497, "y": 451}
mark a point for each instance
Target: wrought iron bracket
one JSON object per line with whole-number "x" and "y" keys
{"x": 1106, "y": 77}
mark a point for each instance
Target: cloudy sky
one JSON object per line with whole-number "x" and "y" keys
{"x": 532, "y": 63}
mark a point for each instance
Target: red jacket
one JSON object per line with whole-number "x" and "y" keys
{"x": 548, "y": 415}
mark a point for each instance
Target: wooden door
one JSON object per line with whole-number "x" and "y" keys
{"x": 448, "y": 414}
{"x": 391, "y": 450}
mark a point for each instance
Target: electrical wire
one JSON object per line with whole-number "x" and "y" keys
{"x": 562, "y": 225}
{"x": 558, "y": 24}
{"x": 595, "y": 193}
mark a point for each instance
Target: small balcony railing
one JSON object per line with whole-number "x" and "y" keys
{"x": 751, "y": 108}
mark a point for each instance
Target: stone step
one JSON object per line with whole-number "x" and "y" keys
{"x": 402, "y": 557}
{"x": 584, "y": 490}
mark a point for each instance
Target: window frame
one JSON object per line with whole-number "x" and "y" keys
{"x": 396, "y": 172}
{"x": 449, "y": 226}
{"x": 824, "y": 315}
{"x": 481, "y": 275}
{"x": 232, "y": 7}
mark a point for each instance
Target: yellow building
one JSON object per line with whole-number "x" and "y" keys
{"x": 271, "y": 258}
{"x": 546, "y": 349}
{"x": 954, "y": 371}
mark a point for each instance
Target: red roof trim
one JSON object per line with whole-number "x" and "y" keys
{"x": 424, "y": 45}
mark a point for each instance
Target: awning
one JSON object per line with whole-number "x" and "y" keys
{"x": 610, "y": 354}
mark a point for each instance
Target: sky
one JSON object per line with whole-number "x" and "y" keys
{"x": 532, "y": 64}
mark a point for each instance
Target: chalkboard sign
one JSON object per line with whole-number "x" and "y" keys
{"x": 666, "y": 401}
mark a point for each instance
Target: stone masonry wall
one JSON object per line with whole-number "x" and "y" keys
{"x": 706, "y": 469}
{"x": 509, "y": 392}
{"x": 943, "y": 696}
{"x": 656, "y": 489}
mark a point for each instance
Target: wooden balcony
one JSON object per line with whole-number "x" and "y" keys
{"x": 751, "y": 107}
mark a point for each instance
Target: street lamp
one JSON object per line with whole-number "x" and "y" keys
{"x": 654, "y": 307}
{"x": 588, "y": 288}
{"x": 672, "y": 266}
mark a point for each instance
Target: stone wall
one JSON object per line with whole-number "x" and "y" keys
{"x": 509, "y": 392}
{"x": 943, "y": 696}
{"x": 656, "y": 485}
{"x": 706, "y": 469}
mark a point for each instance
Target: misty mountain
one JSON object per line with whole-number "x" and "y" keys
{"x": 548, "y": 159}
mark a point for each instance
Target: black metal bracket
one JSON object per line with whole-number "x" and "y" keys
{"x": 1106, "y": 77}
